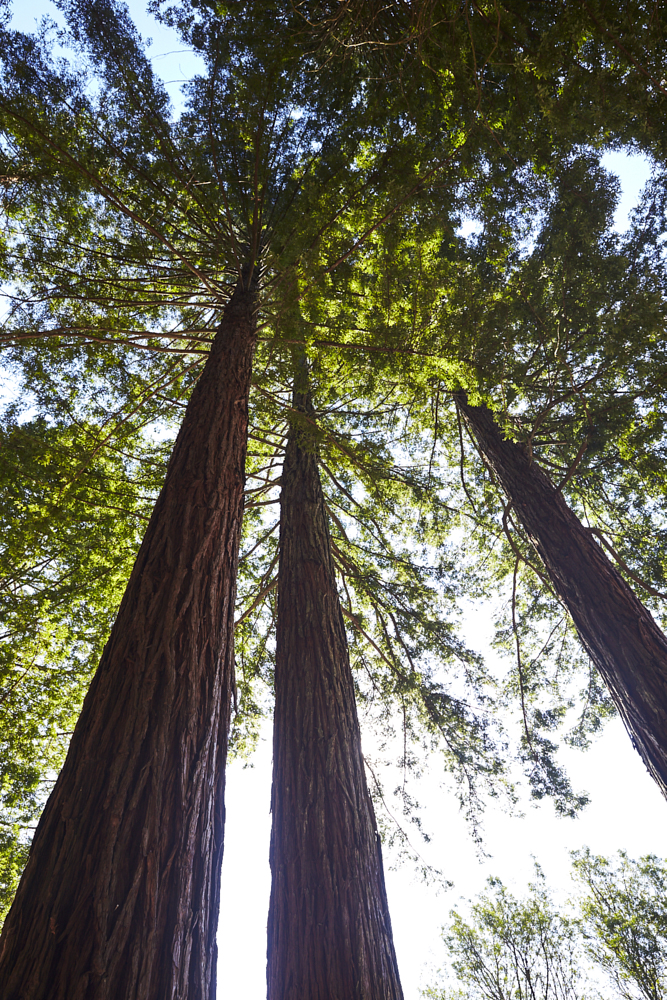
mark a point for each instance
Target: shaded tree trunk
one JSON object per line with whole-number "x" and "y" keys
{"x": 616, "y": 630}
{"x": 329, "y": 931}
{"x": 120, "y": 896}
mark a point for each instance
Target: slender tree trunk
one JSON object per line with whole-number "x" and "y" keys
{"x": 617, "y": 631}
{"x": 120, "y": 897}
{"x": 329, "y": 931}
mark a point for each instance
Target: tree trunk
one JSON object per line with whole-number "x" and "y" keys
{"x": 329, "y": 931}
{"x": 616, "y": 630}
{"x": 120, "y": 896}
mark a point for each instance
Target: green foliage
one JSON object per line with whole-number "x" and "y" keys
{"x": 14, "y": 849}
{"x": 624, "y": 917}
{"x": 512, "y": 949}
{"x": 70, "y": 518}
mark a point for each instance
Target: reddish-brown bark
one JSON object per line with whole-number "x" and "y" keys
{"x": 329, "y": 932}
{"x": 120, "y": 897}
{"x": 615, "y": 628}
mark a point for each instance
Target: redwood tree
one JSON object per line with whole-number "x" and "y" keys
{"x": 329, "y": 931}
{"x": 566, "y": 335}
{"x": 121, "y": 892}
{"x": 617, "y": 631}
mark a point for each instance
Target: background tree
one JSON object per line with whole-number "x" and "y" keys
{"x": 512, "y": 949}
{"x": 624, "y": 918}
{"x": 618, "y": 632}
{"x": 622, "y": 404}
{"x": 551, "y": 322}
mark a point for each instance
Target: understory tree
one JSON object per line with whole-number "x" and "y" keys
{"x": 624, "y": 920}
{"x": 613, "y": 931}
{"x": 511, "y": 948}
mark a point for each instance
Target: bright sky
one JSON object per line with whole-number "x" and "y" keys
{"x": 626, "y": 809}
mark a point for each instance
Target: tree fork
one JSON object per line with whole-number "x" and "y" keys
{"x": 329, "y": 930}
{"x": 616, "y": 630}
{"x": 120, "y": 896}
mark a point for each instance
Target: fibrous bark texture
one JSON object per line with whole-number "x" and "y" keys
{"x": 615, "y": 628}
{"x": 329, "y": 931}
{"x": 120, "y": 897}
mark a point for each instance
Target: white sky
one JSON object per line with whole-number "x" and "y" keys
{"x": 626, "y": 809}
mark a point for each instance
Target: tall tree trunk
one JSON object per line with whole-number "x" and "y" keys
{"x": 617, "y": 631}
{"x": 120, "y": 897}
{"x": 329, "y": 931}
